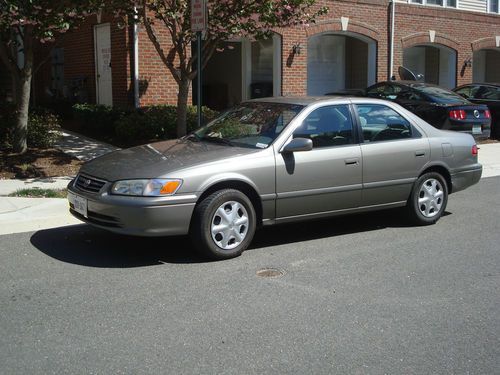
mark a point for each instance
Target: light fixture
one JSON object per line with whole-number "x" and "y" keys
{"x": 296, "y": 48}
{"x": 468, "y": 63}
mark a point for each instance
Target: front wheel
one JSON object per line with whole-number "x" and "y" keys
{"x": 223, "y": 224}
{"x": 428, "y": 199}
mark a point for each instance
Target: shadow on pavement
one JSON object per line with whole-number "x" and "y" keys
{"x": 92, "y": 247}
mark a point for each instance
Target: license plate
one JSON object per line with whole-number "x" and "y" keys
{"x": 79, "y": 203}
{"x": 476, "y": 129}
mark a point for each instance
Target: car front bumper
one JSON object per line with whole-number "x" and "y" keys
{"x": 137, "y": 216}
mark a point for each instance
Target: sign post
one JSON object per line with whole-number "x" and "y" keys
{"x": 198, "y": 25}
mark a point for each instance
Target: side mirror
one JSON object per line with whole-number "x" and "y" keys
{"x": 298, "y": 144}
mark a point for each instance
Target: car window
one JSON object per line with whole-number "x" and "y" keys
{"x": 327, "y": 126}
{"x": 464, "y": 92}
{"x": 409, "y": 95}
{"x": 488, "y": 93}
{"x": 381, "y": 123}
{"x": 384, "y": 91}
{"x": 440, "y": 95}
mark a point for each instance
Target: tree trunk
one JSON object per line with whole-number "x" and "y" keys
{"x": 182, "y": 103}
{"x": 23, "y": 94}
{"x": 22, "y": 110}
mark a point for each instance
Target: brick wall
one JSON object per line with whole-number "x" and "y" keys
{"x": 79, "y": 62}
{"x": 460, "y": 30}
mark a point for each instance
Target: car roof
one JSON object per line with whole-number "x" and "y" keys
{"x": 298, "y": 100}
{"x": 410, "y": 83}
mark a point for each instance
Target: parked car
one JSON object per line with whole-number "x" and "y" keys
{"x": 276, "y": 160}
{"x": 441, "y": 108}
{"x": 488, "y": 94}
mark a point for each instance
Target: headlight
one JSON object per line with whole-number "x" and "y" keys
{"x": 150, "y": 188}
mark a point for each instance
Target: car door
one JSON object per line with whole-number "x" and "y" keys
{"x": 326, "y": 178}
{"x": 393, "y": 151}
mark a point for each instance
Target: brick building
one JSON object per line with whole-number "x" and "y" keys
{"x": 450, "y": 42}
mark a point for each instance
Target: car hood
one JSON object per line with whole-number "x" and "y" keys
{"x": 159, "y": 159}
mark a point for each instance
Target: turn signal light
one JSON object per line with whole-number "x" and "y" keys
{"x": 458, "y": 114}
{"x": 474, "y": 150}
{"x": 487, "y": 113}
{"x": 170, "y": 187}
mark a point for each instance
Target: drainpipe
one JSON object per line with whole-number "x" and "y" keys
{"x": 391, "y": 42}
{"x": 136, "y": 59}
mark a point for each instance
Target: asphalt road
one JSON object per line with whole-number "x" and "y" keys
{"x": 359, "y": 295}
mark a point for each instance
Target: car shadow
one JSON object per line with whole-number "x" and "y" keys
{"x": 92, "y": 247}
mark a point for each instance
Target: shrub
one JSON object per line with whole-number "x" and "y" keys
{"x": 157, "y": 122}
{"x": 43, "y": 128}
{"x": 97, "y": 118}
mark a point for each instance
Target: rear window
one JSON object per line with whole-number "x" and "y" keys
{"x": 441, "y": 96}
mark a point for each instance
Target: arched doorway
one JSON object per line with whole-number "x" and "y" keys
{"x": 340, "y": 61}
{"x": 485, "y": 65}
{"x": 437, "y": 63}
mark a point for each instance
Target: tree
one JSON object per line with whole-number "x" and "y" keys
{"x": 23, "y": 23}
{"x": 227, "y": 19}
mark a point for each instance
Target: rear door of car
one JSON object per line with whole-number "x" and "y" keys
{"x": 393, "y": 151}
{"x": 326, "y": 178}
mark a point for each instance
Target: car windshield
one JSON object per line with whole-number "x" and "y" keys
{"x": 252, "y": 124}
{"x": 441, "y": 96}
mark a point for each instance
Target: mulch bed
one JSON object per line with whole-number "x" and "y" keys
{"x": 37, "y": 163}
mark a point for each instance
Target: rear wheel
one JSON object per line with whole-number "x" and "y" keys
{"x": 428, "y": 199}
{"x": 223, "y": 224}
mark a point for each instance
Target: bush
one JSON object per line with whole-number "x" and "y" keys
{"x": 7, "y": 119}
{"x": 157, "y": 122}
{"x": 97, "y": 118}
{"x": 43, "y": 128}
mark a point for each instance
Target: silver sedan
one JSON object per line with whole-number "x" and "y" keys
{"x": 272, "y": 161}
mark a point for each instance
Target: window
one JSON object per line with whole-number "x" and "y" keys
{"x": 327, "y": 126}
{"x": 57, "y": 71}
{"x": 493, "y": 6}
{"x": 465, "y": 92}
{"x": 381, "y": 123}
{"x": 441, "y": 3}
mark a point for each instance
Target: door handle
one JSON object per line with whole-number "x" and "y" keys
{"x": 352, "y": 161}
{"x": 419, "y": 153}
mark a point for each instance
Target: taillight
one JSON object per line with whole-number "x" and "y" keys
{"x": 474, "y": 150}
{"x": 487, "y": 113}
{"x": 458, "y": 114}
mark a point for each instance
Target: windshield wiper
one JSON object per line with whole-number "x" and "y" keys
{"x": 217, "y": 140}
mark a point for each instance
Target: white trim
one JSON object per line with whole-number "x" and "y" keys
{"x": 277, "y": 65}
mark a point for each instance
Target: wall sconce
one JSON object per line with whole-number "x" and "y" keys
{"x": 468, "y": 63}
{"x": 296, "y": 49}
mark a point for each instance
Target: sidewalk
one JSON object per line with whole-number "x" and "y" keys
{"x": 29, "y": 214}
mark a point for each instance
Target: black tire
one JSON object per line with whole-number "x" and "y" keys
{"x": 427, "y": 212}
{"x": 205, "y": 218}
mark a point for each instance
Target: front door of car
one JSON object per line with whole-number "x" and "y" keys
{"x": 326, "y": 178}
{"x": 394, "y": 152}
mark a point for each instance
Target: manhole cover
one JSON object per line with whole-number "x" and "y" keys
{"x": 270, "y": 272}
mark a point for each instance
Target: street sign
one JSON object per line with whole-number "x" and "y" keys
{"x": 198, "y": 15}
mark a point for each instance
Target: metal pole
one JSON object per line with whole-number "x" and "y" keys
{"x": 198, "y": 75}
{"x": 391, "y": 57}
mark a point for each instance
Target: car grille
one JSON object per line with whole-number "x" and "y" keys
{"x": 98, "y": 219}
{"x": 89, "y": 184}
